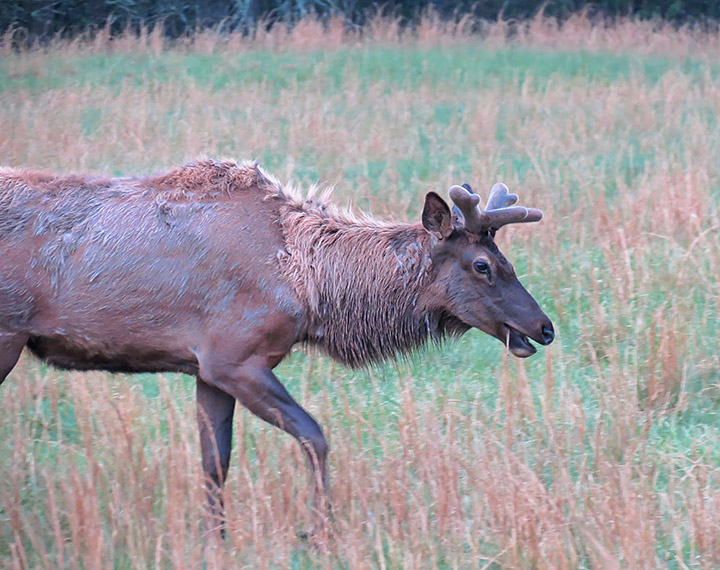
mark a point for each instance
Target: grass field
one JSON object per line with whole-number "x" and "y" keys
{"x": 601, "y": 451}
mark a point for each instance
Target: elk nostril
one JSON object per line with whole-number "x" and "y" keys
{"x": 548, "y": 334}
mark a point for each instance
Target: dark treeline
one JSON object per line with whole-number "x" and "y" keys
{"x": 46, "y": 18}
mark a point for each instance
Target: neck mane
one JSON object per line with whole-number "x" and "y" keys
{"x": 364, "y": 283}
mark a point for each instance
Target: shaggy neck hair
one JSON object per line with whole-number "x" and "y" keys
{"x": 364, "y": 283}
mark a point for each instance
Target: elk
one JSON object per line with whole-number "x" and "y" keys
{"x": 217, "y": 270}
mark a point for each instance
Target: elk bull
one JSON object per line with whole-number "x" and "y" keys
{"x": 215, "y": 269}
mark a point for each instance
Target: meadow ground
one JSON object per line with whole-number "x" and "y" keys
{"x": 601, "y": 451}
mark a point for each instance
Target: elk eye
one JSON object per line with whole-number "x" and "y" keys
{"x": 481, "y": 267}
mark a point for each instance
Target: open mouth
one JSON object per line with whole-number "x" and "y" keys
{"x": 518, "y": 343}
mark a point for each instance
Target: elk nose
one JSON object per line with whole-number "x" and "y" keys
{"x": 548, "y": 333}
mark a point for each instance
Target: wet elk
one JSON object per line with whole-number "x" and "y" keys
{"x": 215, "y": 269}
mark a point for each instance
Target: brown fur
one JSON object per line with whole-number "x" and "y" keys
{"x": 350, "y": 272}
{"x": 215, "y": 269}
{"x": 361, "y": 282}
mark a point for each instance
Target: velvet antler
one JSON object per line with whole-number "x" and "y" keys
{"x": 498, "y": 212}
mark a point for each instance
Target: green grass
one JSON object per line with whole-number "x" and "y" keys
{"x": 620, "y": 150}
{"x": 453, "y": 67}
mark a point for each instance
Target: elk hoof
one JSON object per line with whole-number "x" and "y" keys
{"x": 319, "y": 539}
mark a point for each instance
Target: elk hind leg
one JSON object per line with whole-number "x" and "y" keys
{"x": 11, "y": 346}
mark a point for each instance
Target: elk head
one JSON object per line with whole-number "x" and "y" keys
{"x": 474, "y": 282}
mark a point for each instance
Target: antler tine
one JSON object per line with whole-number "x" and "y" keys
{"x": 500, "y": 197}
{"x": 467, "y": 203}
{"x": 498, "y": 212}
{"x": 455, "y": 210}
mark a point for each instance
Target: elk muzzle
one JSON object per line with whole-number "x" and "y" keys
{"x": 518, "y": 343}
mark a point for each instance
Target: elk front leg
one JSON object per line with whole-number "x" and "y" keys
{"x": 215, "y": 415}
{"x": 259, "y": 390}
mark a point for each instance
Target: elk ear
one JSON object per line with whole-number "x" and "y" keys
{"x": 436, "y": 216}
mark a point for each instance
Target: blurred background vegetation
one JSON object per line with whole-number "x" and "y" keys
{"x": 601, "y": 452}
{"x": 42, "y": 19}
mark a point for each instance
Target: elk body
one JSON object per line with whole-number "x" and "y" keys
{"x": 215, "y": 269}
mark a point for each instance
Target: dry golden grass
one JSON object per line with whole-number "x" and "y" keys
{"x": 578, "y": 32}
{"x": 602, "y": 451}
